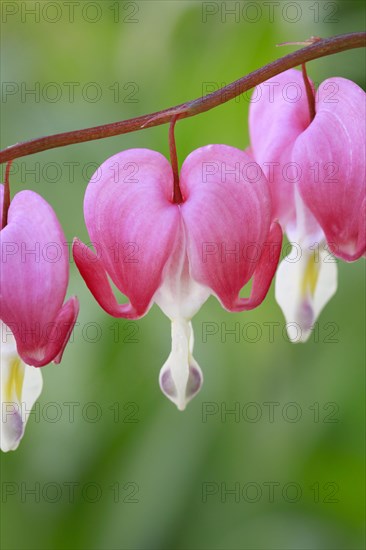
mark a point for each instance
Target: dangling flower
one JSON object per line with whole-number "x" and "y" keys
{"x": 316, "y": 171}
{"x": 34, "y": 279}
{"x": 332, "y": 155}
{"x": 35, "y": 324}
{"x": 176, "y": 255}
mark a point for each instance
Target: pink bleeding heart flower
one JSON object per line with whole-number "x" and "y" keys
{"x": 35, "y": 324}
{"x": 177, "y": 255}
{"x": 316, "y": 171}
{"x": 332, "y": 155}
{"x": 278, "y": 114}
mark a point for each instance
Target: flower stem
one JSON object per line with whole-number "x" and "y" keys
{"x": 319, "y": 48}
{"x": 177, "y": 194}
{"x": 6, "y": 201}
{"x": 309, "y": 92}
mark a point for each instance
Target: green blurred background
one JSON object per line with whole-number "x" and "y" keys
{"x": 144, "y": 475}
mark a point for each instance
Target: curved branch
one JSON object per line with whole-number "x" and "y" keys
{"x": 318, "y": 49}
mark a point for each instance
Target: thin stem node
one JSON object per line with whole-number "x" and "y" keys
{"x": 6, "y": 200}
{"x": 309, "y": 92}
{"x": 177, "y": 194}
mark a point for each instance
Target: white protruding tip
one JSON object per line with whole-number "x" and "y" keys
{"x": 181, "y": 377}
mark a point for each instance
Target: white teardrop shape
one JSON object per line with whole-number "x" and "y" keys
{"x": 181, "y": 377}
{"x": 21, "y": 385}
{"x": 303, "y": 287}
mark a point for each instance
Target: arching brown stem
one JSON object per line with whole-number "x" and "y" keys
{"x": 319, "y": 48}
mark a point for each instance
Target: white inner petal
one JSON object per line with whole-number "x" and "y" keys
{"x": 180, "y": 297}
{"x": 306, "y": 231}
{"x": 21, "y": 386}
{"x": 181, "y": 377}
{"x": 303, "y": 287}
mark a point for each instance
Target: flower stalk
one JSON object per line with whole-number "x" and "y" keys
{"x": 177, "y": 194}
{"x": 6, "y": 203}
{"x": 309, "y": 92}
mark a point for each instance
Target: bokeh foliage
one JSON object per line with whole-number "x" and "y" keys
{"x": 166, "y": 56}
